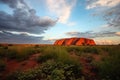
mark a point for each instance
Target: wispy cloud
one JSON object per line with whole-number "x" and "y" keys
{"x": 99, "y": 37}
{"x": 109, "y": 9}
{"x": 15, "y": 37}
{"x": 61, "y": 8}
{"x": 91, "y": 34}
{"x": 71, "y": 23}
{"x": 23, "y": 33}
{"x": 102, "y": 3}
{"x": 8, "y": 37}
{"x": 117, "y": 33}
{"x": 105, "y": 42}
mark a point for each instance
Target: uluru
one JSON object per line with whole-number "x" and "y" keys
{"x": 75, "y": 41}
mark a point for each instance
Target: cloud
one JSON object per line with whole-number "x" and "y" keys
{"x": 71, "y": 23}
{"x": 105, "y": 42}
{"x": 91, "y": 34}
{"x": 113, "y": 16}
{"x": 61, "y": 8}
{"x": 102, "y": 3}
{"x": 117, "y": 33}
{"x": 99, "y": 37}
{"x": 6, "y": 37}
{"x": 23, "y": 18}
{"x": 23, "y": 33}
{"x": 73, "y": 33}
{"x": 9, "y": 37}
{"x": 51, "y": 40}
{"x": 109, "y": 9}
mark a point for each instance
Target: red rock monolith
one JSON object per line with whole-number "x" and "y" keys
{"x": 75, "y": 41}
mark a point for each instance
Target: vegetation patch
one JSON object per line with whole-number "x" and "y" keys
{"x": 50, "y": 70}
{"x": 64, "y": 62}
{"x": 2, "y": 65}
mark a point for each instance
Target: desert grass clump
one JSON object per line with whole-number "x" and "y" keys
{"x": 74, "y": 48}
{"x": 2, "y": 52}
{"x": 5, "y": 47}
{"x": 19, "y": 53}
{"x": 48, "y": 53}
{"x": 50, "y": 70}
{"x": 24, "y": 53}
{"x": 36, "y": 46}
{"x": 1, "y": 45}
{"x": 2, "y": 65}
{"x": 55, "y": 53}
{"x": 12, "y": 54}
{"x": 90, "y": 49}
{"x": 109, "y": 68}
{"x": 10, "y": 44}
{"x": 79, "y": 50}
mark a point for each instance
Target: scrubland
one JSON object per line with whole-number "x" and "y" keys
{"x": 49, "y": 62}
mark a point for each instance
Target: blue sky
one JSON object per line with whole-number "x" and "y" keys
{"x": 44, "y": 21}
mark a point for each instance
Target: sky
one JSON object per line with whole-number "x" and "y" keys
{"x": 44, "y": 21}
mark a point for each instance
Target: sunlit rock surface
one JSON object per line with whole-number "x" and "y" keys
{"x": 75, "y": 41}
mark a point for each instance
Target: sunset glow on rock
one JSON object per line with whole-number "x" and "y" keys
{"x": 74, "y": 41}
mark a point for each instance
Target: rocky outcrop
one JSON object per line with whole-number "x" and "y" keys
{"x": 74, "y": 41}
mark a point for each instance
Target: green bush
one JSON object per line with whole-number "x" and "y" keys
{"x": 55, "y": 53}
{"x": 24, "y": 53}
{"x": 90, "y": 49}
{"x": 83, "y": 49}
{"x": 57, "y": 74}
{"x": 109, "y": 68}
{"x": 10, "y": 44}
{"x": 106, "y": 48}
{"x": 2, "y": 52}
{"x": 57, "y": 63}
{"x": 0, "y": 45}
{"x": 2, "y": 65}
{"x": 5, "y": 47}
{"x": 74, "y": 49}
{"x": 11, "y": 54}
{"x": 45, "y": 57}
{"x": 19, "y": 54}
{"x": 14, "y": 75}
{"x": 50, "y": 70}
{"x": 36, "y": 46}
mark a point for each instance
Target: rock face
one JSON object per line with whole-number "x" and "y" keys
{"x": 74, "y": 41}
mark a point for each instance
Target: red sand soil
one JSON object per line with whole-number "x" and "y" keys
{"x": 88, "y": 69}
{"x": 12, "y": 65}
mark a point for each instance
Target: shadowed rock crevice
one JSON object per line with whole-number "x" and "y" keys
{"x": 75, "y": 41}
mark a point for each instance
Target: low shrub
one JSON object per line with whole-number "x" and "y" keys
{"x": 36, "y": 46}
{"x": 50, "y": 70}
{"x": 83, "y": 49}
{"x": 106, "y": 48}
{"x": 109, "y": 68}
{"x": 24, "y": 53}
{"x": 90, "y": 49}
{"x": 0, "y": 45}
{"x": 55, "y": 53}
{"x": 5, "y": 47}
{"x": 45, "y": 57}
{"x": 73, "y": 49}
{"x": 11, "y": 54}
{"x": 2, "y": 52}
{"x": 2, "y": 65}
{"x": 10, "y": 44}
